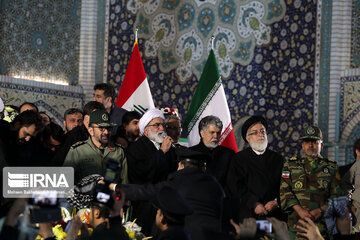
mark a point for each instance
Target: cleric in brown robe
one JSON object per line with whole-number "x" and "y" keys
{"x": 255, "y": 173}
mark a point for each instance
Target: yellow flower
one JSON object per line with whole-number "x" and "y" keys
{"x": 59, "y": 232}
{"x": 8, "y": 119}
{"x": 131, "y": 234}
{"x": 9, "y": 109}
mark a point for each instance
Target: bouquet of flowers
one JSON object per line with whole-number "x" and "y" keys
{"x": 134, "y": 231}
{"x": 7, "y": 113}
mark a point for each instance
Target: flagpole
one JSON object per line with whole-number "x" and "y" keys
{"x": 136, "y": 37}
{"x": 212, "y": 42}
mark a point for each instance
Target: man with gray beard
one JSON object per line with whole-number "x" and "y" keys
{"x": 218, "y": 157}
{"x": 150, "y": 160}
{"x": 255, "y": 173}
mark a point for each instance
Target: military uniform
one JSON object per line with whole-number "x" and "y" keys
{"x": 87, "y": 159}
{"x": 309, "y": 183}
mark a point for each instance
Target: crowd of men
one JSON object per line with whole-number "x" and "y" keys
{"x": 201, "y": 192}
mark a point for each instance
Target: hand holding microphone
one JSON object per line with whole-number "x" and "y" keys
{"x": 166, "y": 143}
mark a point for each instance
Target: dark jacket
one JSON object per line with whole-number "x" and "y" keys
{"x": 116, "y": 115}
{"x": 218, "y": 161}
{"x": 77, "y": 134}
{"x": 255, "y": 178}
{"x": 201, "y": 191}
{"x": 147, "y": 164}
{"x": 174, "y": 233}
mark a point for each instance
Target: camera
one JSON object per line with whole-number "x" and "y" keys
{"x": 102, "y": 196}
{"x": 264, "y": 225}
{"x": 45, "y": 207}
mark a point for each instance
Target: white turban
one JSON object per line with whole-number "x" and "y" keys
{"x": 148, "y": 116}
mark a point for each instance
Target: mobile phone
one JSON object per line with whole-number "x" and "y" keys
{"x": 44, "y": 215}
{"x": 264, "y": 225}
{"x": 44, "y": 199}
{"x": 46, "y": 207}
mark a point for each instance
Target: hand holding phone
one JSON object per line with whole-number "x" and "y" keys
{"x": 264, "y": 225}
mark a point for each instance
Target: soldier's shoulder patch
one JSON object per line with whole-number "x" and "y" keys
{"x": 78, "y": 144}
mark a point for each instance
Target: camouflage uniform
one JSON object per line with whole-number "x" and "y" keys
{"x": 310, "y": 183}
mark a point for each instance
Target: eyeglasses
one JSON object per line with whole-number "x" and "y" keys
{"x": 261, "y": 132}
{"x": 102, "y": 129}
{"x": 157, "y": 125}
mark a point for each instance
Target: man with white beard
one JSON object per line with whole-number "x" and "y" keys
{"x": 255, "y": 173}
{"x": 150, "y": 160}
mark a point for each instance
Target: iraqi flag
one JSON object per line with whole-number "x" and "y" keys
{"x": 135, "y": 93}
{"x": 210, "y": 99}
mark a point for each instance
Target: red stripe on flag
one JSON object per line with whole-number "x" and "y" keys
{"x": 227, "y": 138}
{"x": 134, "y": 76}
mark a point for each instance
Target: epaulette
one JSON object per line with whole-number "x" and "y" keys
{"x": 293, "y": 158}
{"x": 331, "y": 160}
{"x": 75, "y": 145}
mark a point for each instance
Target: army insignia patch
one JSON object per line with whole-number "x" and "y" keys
{"x": 325, "y": 184}
{"x": 105, "y": 117}
{"x": 310, "y": 131}
{"x": 298, "y": 185}
{"x": 326, "y": 170}
{"x": 285, "y": 174}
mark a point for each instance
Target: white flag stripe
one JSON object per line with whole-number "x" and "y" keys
{"x": 217, "y": 107}
{"x": 141, "y": 96}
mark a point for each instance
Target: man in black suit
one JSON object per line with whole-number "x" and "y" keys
{"x": 150, "y": 160}
{"x": 170, "y": 215}
{"x": 255, "y": 173}
{"x": 201, "y": 191}
{"x": 218, "y": 157}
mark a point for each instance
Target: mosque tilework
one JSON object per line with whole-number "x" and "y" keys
{"x": 349, "y": 151}
{"x": 99, "y": 68}
{"x": 355, "y": 33}
{"x": 349, "y": 114}
{"x": 265, "y": 51}
{"x": 40, "y": 38}
{"x": 323, "y": 113}
{"x": 53, "y": 102}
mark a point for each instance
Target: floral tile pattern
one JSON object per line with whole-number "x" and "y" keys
{"x": 40, "y": 38}
{"x": 265, "y": 52}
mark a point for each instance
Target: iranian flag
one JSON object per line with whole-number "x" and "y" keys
{"x": 135, "y": 93}
{"x": 210, "y": 99}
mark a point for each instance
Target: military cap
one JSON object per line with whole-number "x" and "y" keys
{"x": 312, "y": 132}
{"x": 170, "y": 201}
{"x": 101, "y": 117}
{"x": 188, "y": 154}
{"x": 251, "y": 121}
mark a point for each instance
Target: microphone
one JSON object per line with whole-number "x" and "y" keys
{"x": 163, "y": 135}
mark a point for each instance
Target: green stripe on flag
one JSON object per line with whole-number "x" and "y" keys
{"x": 207, "y": 87}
